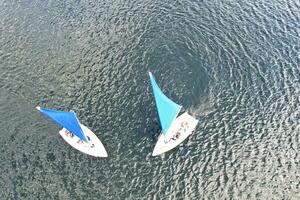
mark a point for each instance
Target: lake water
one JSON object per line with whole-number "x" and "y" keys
{"x": 234, "y": 65}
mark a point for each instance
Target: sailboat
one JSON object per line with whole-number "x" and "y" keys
{"x": 174, "y": 129}
{"x": 74, "y": 133}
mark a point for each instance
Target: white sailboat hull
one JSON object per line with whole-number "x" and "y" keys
{"x": 94, "y": 147}
{"x": 179, "y": 130}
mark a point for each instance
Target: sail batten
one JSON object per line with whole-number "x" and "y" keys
{"x": 166, "y": 108}
{"x": 67, "y": 120}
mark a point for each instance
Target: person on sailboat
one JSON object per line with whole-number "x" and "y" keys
{"x": 69, "y": 134}
{"x": 79, "y": 142}
{"x": 176, "y": 136}
{"x": 166, "y": 141}
{"x": 185, "y": 124}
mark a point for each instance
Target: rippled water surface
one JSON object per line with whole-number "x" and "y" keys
{"x": 234, "y": 65}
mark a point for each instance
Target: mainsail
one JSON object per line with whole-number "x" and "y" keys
{"x": 67, "y": 120}
{"x": 166, "y": 108}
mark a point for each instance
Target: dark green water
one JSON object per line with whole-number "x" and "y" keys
{"x": 234, "y": 65}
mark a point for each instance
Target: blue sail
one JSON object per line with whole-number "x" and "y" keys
{"x": 166, "y": 108}
{"x": 67, "y": 120}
